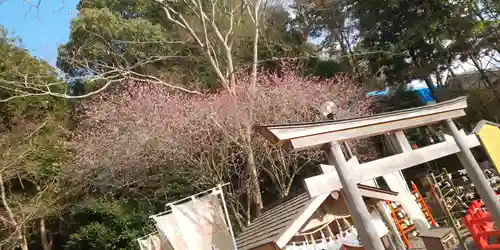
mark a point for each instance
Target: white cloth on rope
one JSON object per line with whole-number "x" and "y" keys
{"x": 351, "y": 237}
{"x": 334, "y": 244}
{"x": 348, "y": 237}
{"x": 299, "y": 247}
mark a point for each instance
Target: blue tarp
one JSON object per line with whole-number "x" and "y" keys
{"x": 423, "y": 94}
{"x": 378, "y": 93}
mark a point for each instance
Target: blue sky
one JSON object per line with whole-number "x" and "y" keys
{"x": 42, "y": 30}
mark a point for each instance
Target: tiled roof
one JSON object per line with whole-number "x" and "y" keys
{"x": 270, "y": 224}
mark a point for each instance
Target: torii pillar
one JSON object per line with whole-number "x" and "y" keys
{"x": 475, "y": 173}
{"x": 355, "y": 203}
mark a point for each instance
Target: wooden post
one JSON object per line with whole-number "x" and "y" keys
{"x": 357, "y": 206}
{"x": 476, "y": 174}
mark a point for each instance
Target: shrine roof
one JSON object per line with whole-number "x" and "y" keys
{"x": 274, "y": 225}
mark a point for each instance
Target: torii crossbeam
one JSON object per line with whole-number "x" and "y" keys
{"x": 329, "y": 134}
{"x": 329, "y": 182}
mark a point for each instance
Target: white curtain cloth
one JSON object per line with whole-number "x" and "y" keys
{"x": 350, "y": 237}
{"x": 334, "y": 244}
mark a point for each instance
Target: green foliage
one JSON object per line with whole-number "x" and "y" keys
{"x": 34, "y": 125}
{"x": 324, "y": 68}
{"x": 32, "y": 135}
{"x": 110, "y": 225}
{"x": 102, "y": 37}
{"x": 115, "y": 218}
{"x": 277, "y": 41}
{"x": 411, "y": 33}
{"x": 110, "y": 34}
{"x": 18, "y": 66}
{"x": 128, "y": 8}
{"x": 132, "y": 35}
{"x": 93, "y": 236}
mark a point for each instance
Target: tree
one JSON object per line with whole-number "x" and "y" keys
{"x": 328, "y": 21}
{"x": 208, "y": 133}
{"x": 30, "y": 182}
{"x": 110, "y": 224}
{"x": 414, "y": 36}
{"x": 105, "y": 49}
{"x": 32, "y": 152}
{"x": 113, "y": 42}
{"x": 168, "y": 41}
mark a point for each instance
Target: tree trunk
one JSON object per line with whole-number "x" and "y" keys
{"x": 283, "y": 192}
{"x": 19, "y": 231}
{"x": 236, "y": 216}
{"x": 255, "y": 46}
{"x": 427, "y": 78}
{"x": 44, "y": 235}
{"x": 22, "y": 238}
{"x": 350, "y": 52}
{"x": 254, "y": 187}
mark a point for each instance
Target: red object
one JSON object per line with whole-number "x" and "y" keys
{"x": 481, "y": 226}
{"x": 425, "y": 208}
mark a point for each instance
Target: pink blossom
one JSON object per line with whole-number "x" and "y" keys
{"x": 137, "y": 126}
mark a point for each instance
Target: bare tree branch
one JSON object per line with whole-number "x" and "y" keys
{"x": 205, "y": 12}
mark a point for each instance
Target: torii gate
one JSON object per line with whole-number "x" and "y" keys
{"x": 329, "y": 134}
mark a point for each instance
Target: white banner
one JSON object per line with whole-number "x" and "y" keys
{"x": 167, "y": 228}
{"x": 154, "y": 242}
{"x": 144, "y": 243}
{"x": 201, "y": 223}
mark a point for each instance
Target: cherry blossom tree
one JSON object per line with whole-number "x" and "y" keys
{"x": 137, "y": 126}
